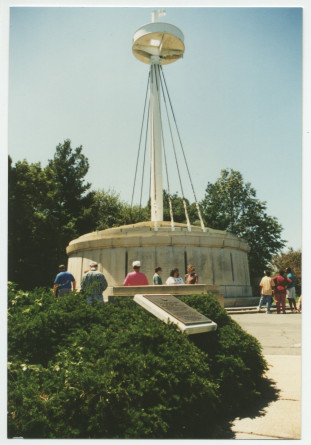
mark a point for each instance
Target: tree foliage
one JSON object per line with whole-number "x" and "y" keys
{"x": 116, "y": 371}
{"x": 72, "y": 198}
{"x": 178, "y": 209}
{"x": 47, "y": 208}
{"x": 230, "y": 204}
{"x": 292, "y": 259}
{"x": 50, "y": 206}
{"x": 110, "y": 211}
{"x": 31, "y": 230}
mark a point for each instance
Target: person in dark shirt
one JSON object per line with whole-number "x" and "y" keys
{"x": 156, "y": 277}
{"x": 63, "y": 282}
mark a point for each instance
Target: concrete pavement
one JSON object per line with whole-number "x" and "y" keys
{"x": 280, "y": 337}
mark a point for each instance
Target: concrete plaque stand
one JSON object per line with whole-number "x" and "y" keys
{"x": 168, "y": 308}
{"x": 177, "y": 289}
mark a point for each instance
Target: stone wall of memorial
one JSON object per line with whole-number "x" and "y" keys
{"x": 220, "y": 258}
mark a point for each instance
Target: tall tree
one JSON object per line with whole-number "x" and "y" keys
{"x": 231, "y": 205}
{"x": 48, "y": 207}
{"x": 72, "y": 198}
{"x": 292, "y": 259}
{"x": 30, "y": 230}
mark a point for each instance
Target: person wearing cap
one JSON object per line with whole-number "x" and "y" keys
{"x": 136, "y": 278}
{"x": 94, "y": 283}
{"x": 63, "y": 281}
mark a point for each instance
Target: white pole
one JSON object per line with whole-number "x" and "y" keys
{"x": 156, "y": 143}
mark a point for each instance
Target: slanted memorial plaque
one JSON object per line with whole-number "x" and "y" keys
{"x": 168, "y": 308}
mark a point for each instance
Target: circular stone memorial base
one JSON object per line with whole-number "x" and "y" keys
{"x": 220, "y": 258}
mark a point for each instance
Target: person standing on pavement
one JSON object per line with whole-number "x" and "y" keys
{"x": 281, "y": 282}
{"x": 156, "y": 277}
{"x": 136, "y": 278}
{"x": 63, "y": 281}
{"x": 267, "y": 285}
{"x": 291, "y": 292}
{"x": 94, "y": 283}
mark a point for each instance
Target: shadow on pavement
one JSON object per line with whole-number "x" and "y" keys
{"x": 269, "y": 394}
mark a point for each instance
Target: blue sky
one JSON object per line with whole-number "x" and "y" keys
{"x": 237, "y": 96}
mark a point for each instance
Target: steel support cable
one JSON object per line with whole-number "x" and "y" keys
{"x": 139, "y": 145}
{"x": 176, "y": 159}
{"x": 168, "y": 185}
{"x": 182, "y": 148}
{"x": 144, "y": 162}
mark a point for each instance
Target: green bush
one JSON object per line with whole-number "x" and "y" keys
{"x": 116, "y": 371}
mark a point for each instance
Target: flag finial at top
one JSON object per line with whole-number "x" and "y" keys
{"x": 158, "y": 13}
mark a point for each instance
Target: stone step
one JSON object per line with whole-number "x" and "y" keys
{"x": 251, "y": 309}
{"x": 240, "y": 308}
{"x": 243, "y": 311}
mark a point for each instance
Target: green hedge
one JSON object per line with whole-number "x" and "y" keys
{"x": 116, "y": 371}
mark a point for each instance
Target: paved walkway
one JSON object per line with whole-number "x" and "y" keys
{"x": 280, "y": 337}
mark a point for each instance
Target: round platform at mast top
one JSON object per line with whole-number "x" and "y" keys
{"x": 159, "y": 39}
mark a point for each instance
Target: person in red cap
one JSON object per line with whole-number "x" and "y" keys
{"x": 136, "y": 278}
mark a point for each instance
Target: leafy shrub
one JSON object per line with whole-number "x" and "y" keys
{"x": 116, "y": 371}
{"x": 234, "y": 356}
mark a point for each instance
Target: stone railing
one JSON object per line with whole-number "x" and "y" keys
{"x": 177, "y": 289}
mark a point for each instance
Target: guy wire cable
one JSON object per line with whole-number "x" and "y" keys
{"x": 144, "y": 162}
{"x": 182, "y": 148}
{"x": 168, "y": 184}
{"x": 139, "y": 145}
{"x": 176, "y": 160}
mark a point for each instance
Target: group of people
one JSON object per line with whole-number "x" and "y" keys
{"x": 94, "y": 282}
{"x": 279, "y": 287}
{"x": 137, "y": 278}
{"x": 190, "y": 278}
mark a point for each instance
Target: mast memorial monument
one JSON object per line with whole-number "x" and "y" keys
{"x": 220, "y": 258}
